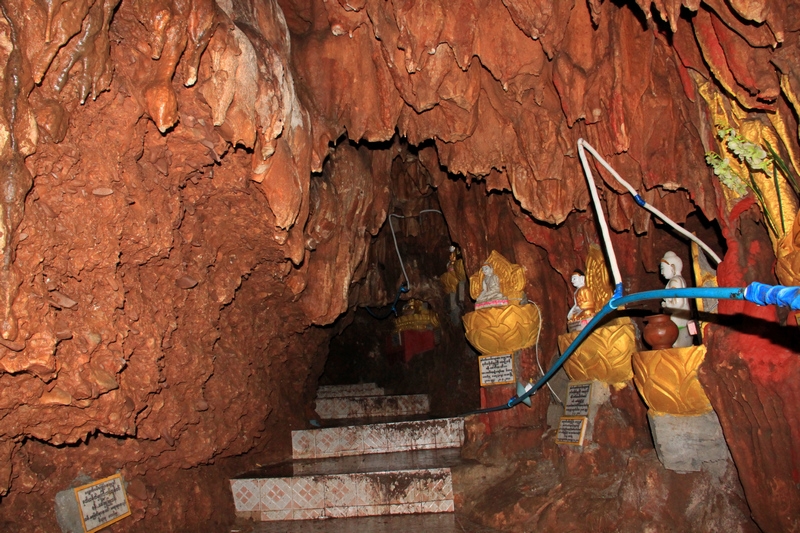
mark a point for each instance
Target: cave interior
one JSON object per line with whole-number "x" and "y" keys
{"x": 212, "y": 209}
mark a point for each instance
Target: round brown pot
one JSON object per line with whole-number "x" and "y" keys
{"x": 660, "y": 332}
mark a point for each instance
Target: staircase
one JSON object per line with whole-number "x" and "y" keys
{"x": 398, "y": 465}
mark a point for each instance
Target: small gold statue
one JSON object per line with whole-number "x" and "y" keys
{"x": 456, "y": 274}
{"x": 416, "y": 316}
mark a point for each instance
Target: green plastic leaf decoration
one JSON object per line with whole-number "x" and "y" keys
{"x": 746, "y": 151}
{"x": 727, "y": 176}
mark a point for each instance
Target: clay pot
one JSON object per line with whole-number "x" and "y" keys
{"x": 660, "y": 332}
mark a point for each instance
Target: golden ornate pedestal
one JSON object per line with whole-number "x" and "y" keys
{"x": 501, "y": 330}
{"x": 667, "y": 380}
{"x": 605, "y": 355}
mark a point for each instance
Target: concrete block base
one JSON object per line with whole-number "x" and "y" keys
{"x": 688, "y": 443}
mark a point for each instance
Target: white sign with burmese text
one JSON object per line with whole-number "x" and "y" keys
{"x": 102, "y": 503}
{"x": 496, "y": 369}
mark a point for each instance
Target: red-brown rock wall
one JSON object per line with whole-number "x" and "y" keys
{"x": 751, "y": 375}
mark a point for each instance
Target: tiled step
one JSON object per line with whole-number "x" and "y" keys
{"x": 373, "y": 406}
{"x": 378, "y": 438}
{"x": 370, "y": 485}
{"x": 344, "y": 391}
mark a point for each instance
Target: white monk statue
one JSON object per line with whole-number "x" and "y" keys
{"x": 583, "y": 308}
{"x": 491, "y": 295}
{"x": 677, "y": 308}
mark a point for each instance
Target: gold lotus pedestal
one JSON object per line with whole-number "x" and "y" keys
{"x": 501, "y": 330}
{"x": 667, "y": 380}
{"x": 605, "y": 355}
{"x": 685, "y": 428}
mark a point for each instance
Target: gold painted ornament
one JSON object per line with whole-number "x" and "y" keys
{"x": 605, "y": 355}
{"x": 788, "y": 267}
{"x": 416, "y": 317}
{"x": 667, "y": 380}
{"x": 502, "y": 330}
{"x": 769, "y": 183}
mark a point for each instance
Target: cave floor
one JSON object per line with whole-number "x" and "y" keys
{"x": 439, "y": 523}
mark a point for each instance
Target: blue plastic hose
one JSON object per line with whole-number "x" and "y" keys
{"x": 393, "y": 310}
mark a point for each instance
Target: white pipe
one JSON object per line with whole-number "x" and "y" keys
{"x": 612, "y": 258}
{"x": 538, "y": 359}
{"x": 639, "y": 199}
{"x": 397, "y": 249}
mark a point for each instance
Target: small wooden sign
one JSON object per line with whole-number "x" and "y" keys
{"x": 102, "y": 503}
{"x": 496, "y": 369}
{"x": 571, "y": 430}
{"x": 578, "y": 395}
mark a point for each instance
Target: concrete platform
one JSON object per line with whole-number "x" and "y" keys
{"x": 378, "y": 438}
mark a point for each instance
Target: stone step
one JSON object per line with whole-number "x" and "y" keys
{"x": 344, "y": 391}
{"x": 369, "y": 485}
{"x": 373, "y": 406}
{"x": 378, "y": 438}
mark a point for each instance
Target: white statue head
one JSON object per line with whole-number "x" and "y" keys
{"x": 578, "y": 279}
{"x": 671, "y": 265}
{"x": 487, "y": 270}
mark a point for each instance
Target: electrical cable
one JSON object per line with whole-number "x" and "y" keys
{"x": 393, "y": 309}
{"x": 538, "y": 360}
{"x": 404, "y": 287}
{"x": 600, "y": 216}
{"x": 639, "y": 200}
{"x": 396, "y": 248}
